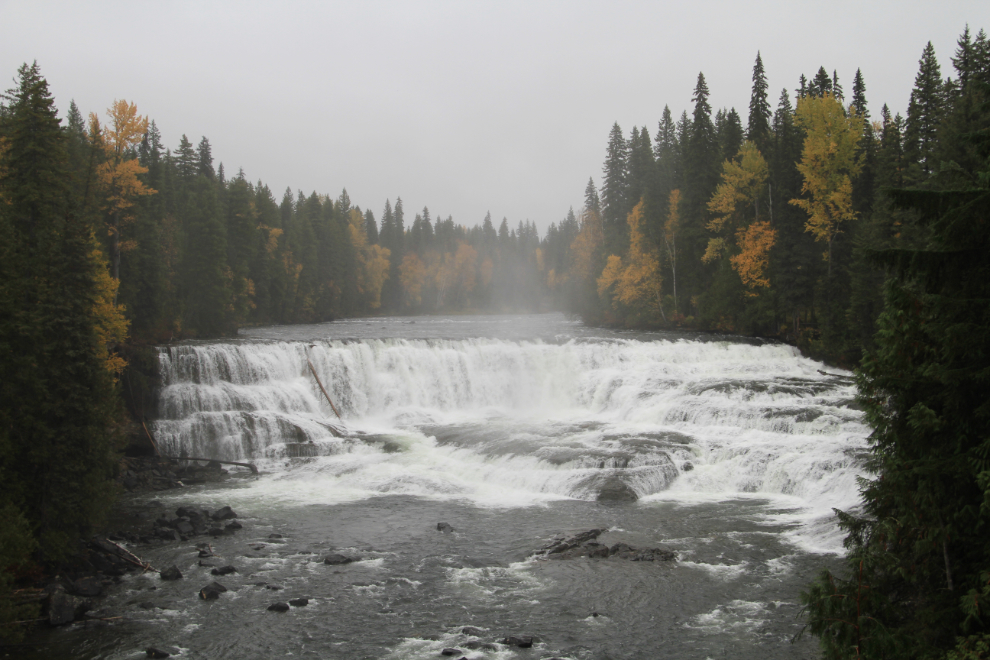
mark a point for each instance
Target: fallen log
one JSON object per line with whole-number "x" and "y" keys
{"x": 323, "y": 389}
{"x": 250, "y": 466}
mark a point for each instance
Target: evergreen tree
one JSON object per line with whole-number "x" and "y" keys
{"x": 204, "y": 159}
{"x": 924, "y": 113}
{"x": 614, "y": 189}
{"x": 758, "y": 130}
{"x": 591, "y": 201}
{"x": 964, "y": 60}
{"x": 207, "y": 286}
{"x": 187, "y": 161}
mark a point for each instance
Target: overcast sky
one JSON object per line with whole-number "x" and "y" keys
{"x": 465, "y": 107}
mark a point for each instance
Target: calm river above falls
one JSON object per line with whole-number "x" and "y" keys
{"x": 513, "y": 430}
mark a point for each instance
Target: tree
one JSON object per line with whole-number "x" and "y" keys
{"x": 57, "y": 398}
{"x": 828, "y": 163}
{"x": 614, "y": 189}
{"x": 118, "y": 173}
{"x": 919, "y": 561}
{"x": 637, "y": 280}
{"x": 924, "y": 112}
{"x": 758, "y": 130}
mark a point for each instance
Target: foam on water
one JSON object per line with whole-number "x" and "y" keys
{"x": 522, "y": 423}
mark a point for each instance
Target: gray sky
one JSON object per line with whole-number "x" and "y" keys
{"x": 462, "y": 106}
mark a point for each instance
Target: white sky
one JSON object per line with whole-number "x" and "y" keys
{"x": 462, "y": 106}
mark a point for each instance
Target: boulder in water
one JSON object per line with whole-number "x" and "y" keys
{"x": 444, "y": 527}
{"x": 224, "y": 513}
{"x": 212, "y": 591}
{"x": 152, "y": 652}
{"x": 336, "y": 559}
{"x": 171, "y": 573}
{"x": 223, "y": 570}
{"x": 523, "y": 641}
{"x": 471, "y": 630}
{"x": 63, "y": 608}
{"x": 299, "y": 602}
{"x": 87, "y": 587}
{"x": 451, "y": 651}
{"x": 278, "y": 607}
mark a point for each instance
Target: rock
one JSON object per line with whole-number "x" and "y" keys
{"x": 621, "y": 548}
{"x": 272, "y": 587}
{"x": 299, "y": 602}
{"x": 206, "y": 553}
{"x": 476, "y": 645}
{"x": 336, "y": 559}
{"x": 167, "y": 534}
{"x": 155, "y": 653}
{"x": 687, "y": 467}
{"x": 654, "y": 554}
{"x": 273, "y": 537}
{"x": 87, "y": 587}
{"x": 523, "y": 642}
{"x": 205, "y": 564}
{"x": 471, "y": 630}
{"x": 224, "y": 513}
{"x": 451, "y": 651}
{"x": 278, "y": 607}
{"x": 615, "y": 489}
{"x": 444, "y": 527}
{"x": 184, "y": 527}
{"x": 147, "y": 605}
{"x": 212, "y": 591}
{"x": 597, "y": 550}
{"x": 171, "y": 573}
{"x": 223, "y": 570}
{"x": 63, "y": 608}
{"x": 233, "y": 526}
{"x": 216, "y": 531}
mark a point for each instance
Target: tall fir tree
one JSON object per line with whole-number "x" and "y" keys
{"x": 758, "y": 129}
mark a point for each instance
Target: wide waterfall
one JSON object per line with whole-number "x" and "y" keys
{"x": 510, "y": 421}
{"x": 465, "y": 445}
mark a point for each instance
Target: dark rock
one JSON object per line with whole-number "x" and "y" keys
{"x": 475, "y": 645}
{"x": 147, "y": 605}
{"x": 188, "y": 512}
{"x": 471, "y": 630}
{"x": 155, "y": 653}
{"x": 620, "y": 548}
{"x": 184, "y": 527}
{"x": 212, "y": 591}
{"x": 216, "y": 531}
{"x": 336, "y": 559}
{"x": 206, "y": 553}
{"x": 597, "y": 550}
{"x": 654, "y": 554}
{"x": 204, "y": 564}
{"x": 451, "y": 651}
{"x": 225, "y": 513}
{"x": 233, "y": 525}
{"x": 87, "y": 587}
{"x": 299, "y": 602}
{"x": 223, "y": 570}
{"x": 273, "y": 587}
{"x": 278, "y": 607}
{"x": 171, "y": 573}
{"x": 167, "y": 534}
{"x": 523, "y": 642}
{"x": 444, "y": 527}
{"x": 687, "y": 467}
{"x": 274, "y": 536}
{"x": 615, "y": 489}
{"x": 63, "y": 608}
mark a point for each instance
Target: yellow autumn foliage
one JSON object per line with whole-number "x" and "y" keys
{"x": 638, "y": 281}
{"x": 372, "y": 261}
{"x": 111, "y": 325}
{"x": 412, "y": 277}
{"x": 753, "y": 259}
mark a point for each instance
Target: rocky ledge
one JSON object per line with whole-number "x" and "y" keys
{"x": 586, "y": 545}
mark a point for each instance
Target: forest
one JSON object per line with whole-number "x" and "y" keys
{"x": 859, "y": 237}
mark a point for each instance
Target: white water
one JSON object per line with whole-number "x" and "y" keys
{"x": 515, "y": 423}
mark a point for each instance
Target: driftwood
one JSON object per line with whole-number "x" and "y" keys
{"x": 153, "y": 443}
{"x": 323, "y": 389}
{"x": 250, "y": 466}
{"x": 130, "y": 557}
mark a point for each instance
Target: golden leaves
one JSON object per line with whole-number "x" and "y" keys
{"x": 638, "y": 281}
{"x": 829, "y": 161}
{"x": 111, "y": 325}
{"x": 753, "y": 259}
{"x": 742, "y": 183}
{"x": 412, "y": 277}
{"x": 372, "y": 260}
{"x": 587, "y": 247}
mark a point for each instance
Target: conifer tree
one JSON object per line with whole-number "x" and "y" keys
{"x": 758, "y": 130}
{"x": 614, "y": 189}
{"x": 925, "y": 110}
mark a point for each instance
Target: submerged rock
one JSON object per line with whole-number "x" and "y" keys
{"x": 585, "y": 545}
{"x": 278, "y": 607}
{"x": 223, "y": 570}
{"x": 615, "y": 489}
{"x": 523, "y": 641}
{"x": 336, "y": 559}
{"x": 299, "y": 602}
{"x": 444, "y": 527}
{"x": 156, "y": 653}
{"x": 451, "y": 651}
{"x": 471, "y": 630}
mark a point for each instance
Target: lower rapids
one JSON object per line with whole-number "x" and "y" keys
{"x": 512, "y": 430}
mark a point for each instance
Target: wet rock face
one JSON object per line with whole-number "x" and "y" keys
{"x": 615, "y": 489}
{"x": 63, "y": 608}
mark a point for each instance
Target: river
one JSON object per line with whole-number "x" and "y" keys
{"x": 512, "y": 429}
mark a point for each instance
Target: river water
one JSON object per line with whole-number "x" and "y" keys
{"x": 511, "y": 429}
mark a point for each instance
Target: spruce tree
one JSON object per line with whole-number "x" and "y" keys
{"x": 925, "y": 111}
{"x": 758, "y": 130}
{"x": 614, "y": 189}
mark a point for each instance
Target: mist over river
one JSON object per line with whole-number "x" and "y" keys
{"x": 512, "y": 429}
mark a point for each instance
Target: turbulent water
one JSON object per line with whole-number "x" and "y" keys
{"x": 512, "y": 429}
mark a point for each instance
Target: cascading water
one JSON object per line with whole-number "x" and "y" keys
{"x": 512, "y": 429}
{"x": 513, "y": 421}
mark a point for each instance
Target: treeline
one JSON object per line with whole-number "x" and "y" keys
{"x": 765, "y": 227}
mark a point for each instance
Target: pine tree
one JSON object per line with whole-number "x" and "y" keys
{"x": 208, "y": 295}
{"x": 964, "y": 60}
{"x": 204, "y": 159}
{"x": 925, "y": 110}
{"x": 614, "y": 189}
{"x": 186, "y": 160}
{"x": 591, "y": 201}
{"x": 56, "y": 396}
{"x": 758, "y": 130}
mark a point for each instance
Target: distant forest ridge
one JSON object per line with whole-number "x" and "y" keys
{"x": 709, "y": 224}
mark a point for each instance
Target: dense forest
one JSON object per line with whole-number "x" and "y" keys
{"x": 861, "y": 239}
